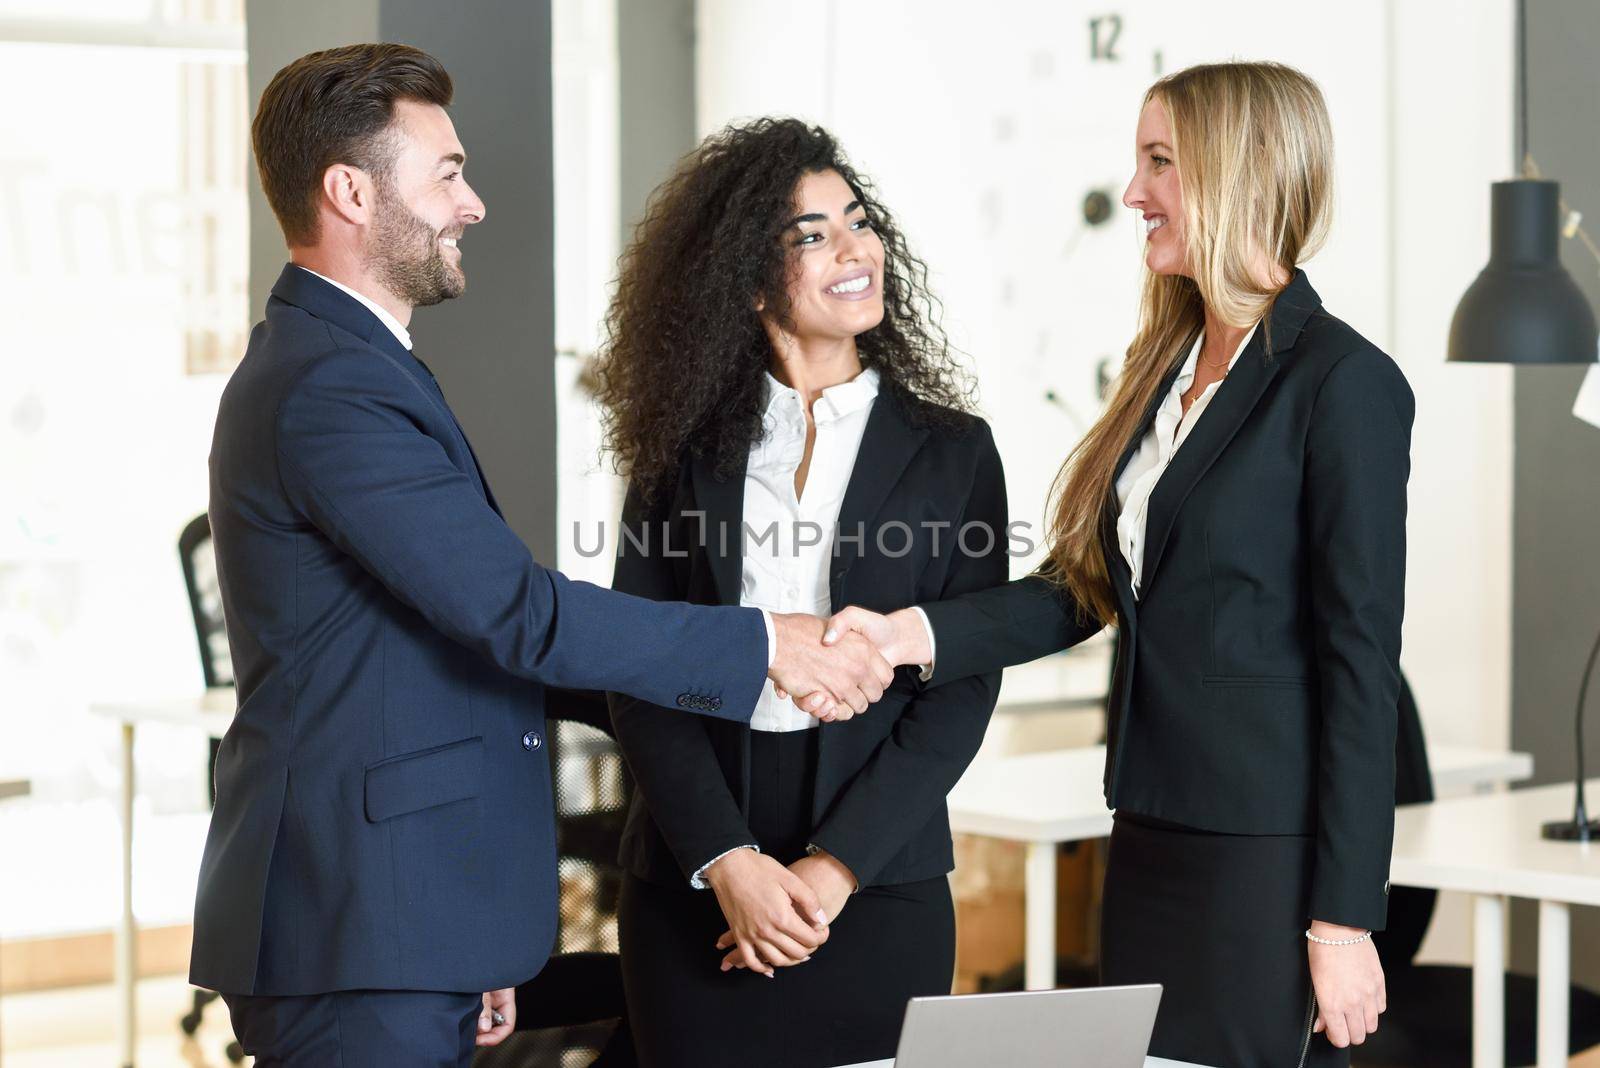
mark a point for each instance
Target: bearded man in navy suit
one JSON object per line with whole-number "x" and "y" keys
{"x": 380, "y": 868}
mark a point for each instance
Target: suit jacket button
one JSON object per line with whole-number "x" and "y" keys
{"x": 532, "y": 741}
{"x": 685, "y": 701}
{"x": 713, "y": 703}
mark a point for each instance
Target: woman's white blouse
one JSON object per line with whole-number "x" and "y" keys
{"x": 788, "y": 540}
{"x": 1166, "y": 436}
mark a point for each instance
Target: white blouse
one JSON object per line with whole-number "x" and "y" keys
{"x": 788, "y": 540}
{"x": 1167, "y": 435}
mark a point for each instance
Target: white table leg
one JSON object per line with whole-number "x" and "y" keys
{"x": 125, "y": 960}
{"x": 1488, "y": 981}
{"x": 1039, "y": 952}
{"x": 1555, "y": 973}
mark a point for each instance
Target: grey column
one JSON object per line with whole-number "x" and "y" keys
{"x": 1556, "y": 477}
{"x": 492, "y": 348}
{"x": 655, "y": 54}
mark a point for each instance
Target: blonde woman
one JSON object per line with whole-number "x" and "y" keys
{"x": 1238, "y": 513}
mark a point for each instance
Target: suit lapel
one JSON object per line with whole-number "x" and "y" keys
{"x": 887, "y": 446}
{"x": 307, "y": 291}
{"x": 1230, "y": 406}
{"x": 1149, "y": 417}
{"x": 722, "y": 501}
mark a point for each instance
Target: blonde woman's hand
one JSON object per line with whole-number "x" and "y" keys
{"x": 900, "y": 637}
{"x": 1349, "y": 985}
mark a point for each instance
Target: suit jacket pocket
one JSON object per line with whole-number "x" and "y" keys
{"x": 1256, "y": 680}
{"x": 427, "y": 778}
{"x": 1257, "y": 756}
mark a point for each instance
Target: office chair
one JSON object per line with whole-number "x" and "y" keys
{"x": 573, "y": 1012}
{"x": 199, "y": 560}
{"x": 1429, "y": 1022}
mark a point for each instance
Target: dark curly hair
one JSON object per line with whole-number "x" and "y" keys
{"x": 685, "y": 354}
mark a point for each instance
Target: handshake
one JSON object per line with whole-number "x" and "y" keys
{"x": 835, "y": 668}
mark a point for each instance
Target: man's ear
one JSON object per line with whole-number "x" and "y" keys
{"x": 348, "y": 191}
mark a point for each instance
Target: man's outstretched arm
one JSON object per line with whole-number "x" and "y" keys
{"x": 353, "y": 460}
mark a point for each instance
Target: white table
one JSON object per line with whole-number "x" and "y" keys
{"x": 212, "y": 712}
{"x": 1490, "y": 847}
{"x": 1076, "y": 679}
{"x": 1046, "y": 799}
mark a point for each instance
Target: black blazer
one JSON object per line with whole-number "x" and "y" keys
{"x": 882, "y": 777}
{"x": 1256, "y": 679}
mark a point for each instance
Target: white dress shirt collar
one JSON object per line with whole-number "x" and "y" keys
{"x": 835, "y": 402}
{"x": 400, "y": 332}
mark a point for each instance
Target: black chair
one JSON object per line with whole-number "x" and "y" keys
{"x": 1429, "y": 1022}
{"x": 199, "y": 561}
{"x": 573, "y": 1012}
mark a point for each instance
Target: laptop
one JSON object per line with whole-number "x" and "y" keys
{"x": 1096, "y": 1027}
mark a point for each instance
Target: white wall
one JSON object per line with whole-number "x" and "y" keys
{"x": 984, "y": 133}
{"x": 104, "y": 428}
{"x": 585, "y": 126}
{"x": 1453, "y": 121}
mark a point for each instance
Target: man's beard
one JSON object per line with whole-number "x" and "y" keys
{"x": 404, "y": 256}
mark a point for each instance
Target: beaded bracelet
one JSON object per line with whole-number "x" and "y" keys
{"x": 1336, "y": 941}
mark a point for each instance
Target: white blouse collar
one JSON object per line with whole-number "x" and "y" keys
{"x": 836, "y": 402}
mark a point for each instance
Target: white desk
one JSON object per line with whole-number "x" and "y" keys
{"x": 1075, "y": 679}
{"x": 1041, "y": 799}
{"x": 1045, "y": 799}
{"x": 212, "y": 712}
{"x": 1490, "y": 847}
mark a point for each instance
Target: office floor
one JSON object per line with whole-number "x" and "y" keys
{"x": 76, "y": 1028}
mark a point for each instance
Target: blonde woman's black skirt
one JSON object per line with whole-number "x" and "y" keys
{"x": 1219, "y": 921}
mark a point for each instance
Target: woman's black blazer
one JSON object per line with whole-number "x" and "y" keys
{"x": 1256, "y": 679}
{"x": 882, "y": 777}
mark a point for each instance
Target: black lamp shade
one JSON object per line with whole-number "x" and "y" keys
{"x": 1524, "y": 307}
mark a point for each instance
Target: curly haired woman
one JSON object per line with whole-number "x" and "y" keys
{"x": 796, "y": 435}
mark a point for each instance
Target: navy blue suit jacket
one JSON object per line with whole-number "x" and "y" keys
{"x": 383, "y": 816}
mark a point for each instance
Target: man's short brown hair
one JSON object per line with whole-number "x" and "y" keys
{"x": 335, "y": 106}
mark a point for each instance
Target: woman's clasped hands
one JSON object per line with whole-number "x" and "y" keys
{"x": 777, "y": 916}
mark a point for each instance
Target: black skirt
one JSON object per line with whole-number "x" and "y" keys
{"x": 1219, "y": 921}
{"x": 844, "y": 1005}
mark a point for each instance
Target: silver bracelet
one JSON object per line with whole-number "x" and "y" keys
{"x": 1336, "y": 941}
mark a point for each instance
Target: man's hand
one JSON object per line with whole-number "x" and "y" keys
{"x": 774, "y": 918}
{"x": 503, "y": 1002}
{"x": 831, "y": 683}
{"x": 829, "y": 878}
{"x": 900, "y": 637}
{"x": 1348, "y": 981}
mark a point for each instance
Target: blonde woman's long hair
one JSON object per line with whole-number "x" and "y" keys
{"x": 1254, "y": 153}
